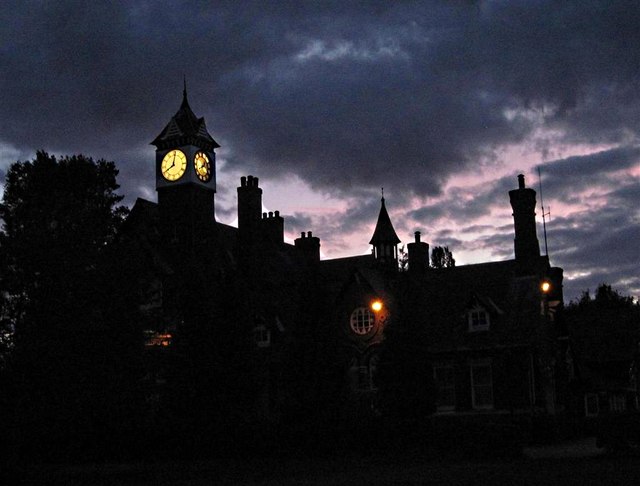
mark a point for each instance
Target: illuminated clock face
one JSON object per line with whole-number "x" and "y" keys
{"x": 202, "y": 166}
{"x": 173, "y": 165}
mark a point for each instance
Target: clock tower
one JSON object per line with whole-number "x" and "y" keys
{"x": 186, "y": 184}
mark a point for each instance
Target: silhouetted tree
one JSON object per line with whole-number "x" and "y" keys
{"x": 403, "y": 259}
{"x": 441, "y": 257}
{"x": 604, "y": 333}
{"x": 608, "y": 318}
{"x": 74, "y": 364}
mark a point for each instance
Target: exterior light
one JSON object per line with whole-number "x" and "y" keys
{"x": 545, "y": 287}
{"x": 376, "y": 306}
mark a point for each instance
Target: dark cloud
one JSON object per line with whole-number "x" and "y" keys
{"x": 404, "y": 93}
{"x": 598, "y": 247}
{"x": 465, "y": 204}
{"x": 567, "y": 177}
{"x": 297, "y": 223}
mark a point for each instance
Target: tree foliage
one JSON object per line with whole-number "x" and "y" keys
{"x": 75, "y": 347}
{"x": 441, "y": 257}
{"x": 604, "y": 327}
{"x": 403, "y": 259}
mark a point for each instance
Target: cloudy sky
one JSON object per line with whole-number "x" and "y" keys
{"x": 442, "y": 103}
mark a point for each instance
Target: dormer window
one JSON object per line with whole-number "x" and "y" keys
{"x": 478, "y": 319}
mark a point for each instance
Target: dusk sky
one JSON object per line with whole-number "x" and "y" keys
{"x": 441, "y": 103}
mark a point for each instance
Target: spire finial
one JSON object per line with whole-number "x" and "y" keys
{"x": 382, "y": 190}
{"x": 184, "y": 91}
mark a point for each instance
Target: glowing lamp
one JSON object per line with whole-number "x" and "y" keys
{"x": 545, "y": 287}
{"x": 376, "y": 306}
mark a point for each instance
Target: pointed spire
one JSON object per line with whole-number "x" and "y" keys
{"x": 185, "y": 127}
{"x": 185, "y": 103}
{"x": 384, "y": 232}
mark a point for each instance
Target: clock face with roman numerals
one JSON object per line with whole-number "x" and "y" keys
{"x": 202, "y": 166}
{"x": 173, "y": 165}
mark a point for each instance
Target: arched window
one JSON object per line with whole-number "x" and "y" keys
{"x": 362, "y": 321}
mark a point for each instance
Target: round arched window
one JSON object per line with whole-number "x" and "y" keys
{"x": 362, "y": 321}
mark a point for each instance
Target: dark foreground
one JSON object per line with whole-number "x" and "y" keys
{"x": 377, "y": 469}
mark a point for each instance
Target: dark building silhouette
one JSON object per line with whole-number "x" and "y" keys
{"x": 491, "y": 331}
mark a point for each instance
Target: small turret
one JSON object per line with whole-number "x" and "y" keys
{"x": 385, "y": 239}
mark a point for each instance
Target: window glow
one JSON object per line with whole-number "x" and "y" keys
{"x": 153, "y": 339}
{"x": 545, "y": 287}
{"x": 376, "y": 306}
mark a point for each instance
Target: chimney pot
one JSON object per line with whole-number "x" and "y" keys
{"x": 417, "y": 235}
{"x": 521, "y": 181}
{"x": 277, "y": 214}
{"x": 255, "y": 181}
{"x": 309, "y": 234}
{"x": 270, "y": 214}
{"x": 303, "y": 235}
{"x": 243, "y": 181}
{"x": 264, "y": 215}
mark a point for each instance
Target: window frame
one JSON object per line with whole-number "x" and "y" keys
{"x": 358, "y": 326}
{"x": 617, "y": 402}
{"x": 442, "y": 366}
{"x": 262, "y": 336}
{"x": 478, "y": 364}
{"x": 588, "y": 412}
{"x": 479, "y": 311}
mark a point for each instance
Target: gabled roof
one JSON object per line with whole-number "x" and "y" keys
{"x": 384, "y": 232}
{"x": 185, "y": 128}
{"x": 442, "y": 298}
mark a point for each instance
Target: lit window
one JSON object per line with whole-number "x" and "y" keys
{"x": 154, "y": 338}
{"x": 262, "y": 336}
{"x": 481, "y": 385}
{"x": 444, "y": 377}
{"x": 362, "y": 321}
{"x": 478, "y": 319}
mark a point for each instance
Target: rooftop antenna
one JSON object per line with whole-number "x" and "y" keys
{"x": 544, "y": 215}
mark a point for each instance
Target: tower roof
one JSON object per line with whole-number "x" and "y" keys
{"x": 185, "y": 128}
{"x": 384, "y": 232}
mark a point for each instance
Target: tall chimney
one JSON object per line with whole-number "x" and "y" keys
{"x": 249, "y": 207}
{"x": 309, "y": 247}
{"x": 418, "y": 255}
{"x": 526, "y": 246}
